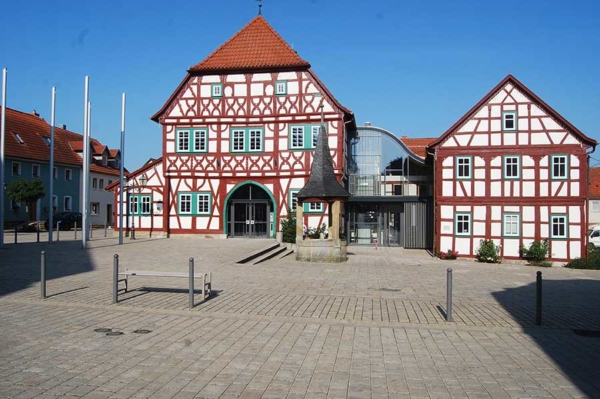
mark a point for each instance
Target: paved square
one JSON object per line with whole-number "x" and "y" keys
{"x": 373, "y": 327}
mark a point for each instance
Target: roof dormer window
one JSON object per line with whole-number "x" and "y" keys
{"x": 47, "y": 140}
{"x": 19, "y": 139}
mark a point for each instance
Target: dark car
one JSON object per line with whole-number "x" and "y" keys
{"x": 67, "y": 220}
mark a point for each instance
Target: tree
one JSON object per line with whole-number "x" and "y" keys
{"x": 26, "y": 191}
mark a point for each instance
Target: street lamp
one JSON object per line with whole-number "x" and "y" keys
{"x": 143, "y": 179}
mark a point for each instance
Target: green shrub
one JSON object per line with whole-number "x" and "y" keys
{"x": 288, "y": 227}
{"x": 315, "y": 233}
{"x": 488, "y": 252}
{"x": 591, "y": 263}
{"x": 537, "y": 251}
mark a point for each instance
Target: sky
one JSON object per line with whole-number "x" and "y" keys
{"x": 411, "y": 67}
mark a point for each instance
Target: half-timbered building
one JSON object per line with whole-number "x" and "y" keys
{"x": 512, "y": 170}
{"x": 238, "y": 137}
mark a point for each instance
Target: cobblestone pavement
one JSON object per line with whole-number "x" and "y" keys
{"x": 372, "y": 327}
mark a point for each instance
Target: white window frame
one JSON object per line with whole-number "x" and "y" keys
{"x": 54, "y": 203}
{"x": 556, "y": 220}
{"x": 594, "y": 206}
{"x": 314, "y": 132}
{"x": 297, "y": 133}
{"x": 133, "y": 205}
{"x": 315, "y": 207}
{"x": 68, "y": 174}
{"x": 200, "y": 140}
{"x": 511, "y": 225}
{"x": 95, "y": 183}
{"x": 146, "y": 205}
{"x": 469, "y": 223}
{"x": 253, "y": 138}
{"x": 238, "y": 137}
{"x": 463, "y": 165}
{"x": 509, "y": 116}
{"x": 203, "y": 200}
{"x": 553, "y": 163}
{"x": 216, "y": 90}
{"x": 101, "y": 184}
{"x": 280, "y": 88}
{"x": 35, "y": 167}
{"x": 18, "y": 165}
{"x": 55, "y": 173}
{"x": 183, "y": 141}
{"x": 506, "y": 165}
{"x": 181, "y": 201}
{"x": 67, "y": 203}
{"x": 293, "y": 200}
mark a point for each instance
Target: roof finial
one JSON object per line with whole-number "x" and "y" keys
{"x": 259, "y": 7}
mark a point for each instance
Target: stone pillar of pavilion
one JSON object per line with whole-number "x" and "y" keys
{"x": 322, "y": 186}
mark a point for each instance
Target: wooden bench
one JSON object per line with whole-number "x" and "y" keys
{"x": 205, "y": 277}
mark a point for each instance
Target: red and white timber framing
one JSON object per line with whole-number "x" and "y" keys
{"x": 248, "y": 101}
{"x": 488, "y": 195}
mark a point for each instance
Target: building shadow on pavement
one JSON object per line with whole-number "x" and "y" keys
{"x": 567, "y": 306}
{"x": 20, "y": 265}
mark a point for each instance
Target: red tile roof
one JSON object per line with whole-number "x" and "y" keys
{"x": 256, "y": 46}
{"x": 32, "y": 129}
{"x": 417, "y": 145}
{"x": 594, "y": 183}
{"x": 113, "y": 153}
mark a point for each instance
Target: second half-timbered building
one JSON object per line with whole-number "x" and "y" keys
{"x": 238, "y": 138}
{"x": 512, "y": 170}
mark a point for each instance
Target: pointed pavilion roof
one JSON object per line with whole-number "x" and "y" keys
{"x": 322, "y": 183}
{"x": 256, "y": 46}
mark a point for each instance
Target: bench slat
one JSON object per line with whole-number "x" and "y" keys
{"x": 158, "y": 274}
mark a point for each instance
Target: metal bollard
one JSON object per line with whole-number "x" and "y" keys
{"x": 91, "y": 231}
{"x": 75, "y": 230}
{"x": 58, "y": 231}
{"x": 43, "y": 276}
{"x": 449, "y": 295}
{"x": 15, "y": 234}
{"x": 37, "y": 230}
{"x": 538, "y": 301}
{"x": 191, "y": 283}
{"x": 104, "y": 229}
{"x": 115, "y": 297}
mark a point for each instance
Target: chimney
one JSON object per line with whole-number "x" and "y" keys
{"x": 367, "y": 123}
{"x": 35, "y": 113}
{"x": 64, "y": 127}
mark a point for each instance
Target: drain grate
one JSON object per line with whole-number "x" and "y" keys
{"x": 390, "y": 289}
{"x": 114, "y": 333}
{"x": 103, "y": 330}
{"x": 142, "y": 331}
{"x": 588, "y": 333}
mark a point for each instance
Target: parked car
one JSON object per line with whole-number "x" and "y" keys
{"x": 67, "y": 220}
{"x": 594, "y": 235}
{"x": 30, "y": 227}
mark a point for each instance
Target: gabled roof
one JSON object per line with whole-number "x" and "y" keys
{"x": 32, "y": 129}
{"x": 594, "y": 183}
{"x": 417, "y": 145}
{"x": 114, "y": 153}
{"x": 257, "y": 46}
{"x": 511, "y": 79}
{"x": 115, "y": 185}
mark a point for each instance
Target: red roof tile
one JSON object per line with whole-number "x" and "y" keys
{"x": 417, "y": 145}
{"x": 594, "y": 183}
{"x": 255, "y": 46}
{"x": 113, "y": 153}
{"x": 32, "y": 129}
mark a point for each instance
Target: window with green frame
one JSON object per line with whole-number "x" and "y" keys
{"x": 559, "y": 226}
{"x": 304, "y": 137}
{"x": 194, "y": 203}
{"x": 464, "y": 168}
{"x": 216, "y": 90}
{"x": 559, "y": 167}
{"x": 246, "y": 139}
{"x": 307, "y": 207}
{"x": 512, "y": 167}
{"x": 511, "y": 225}
{"x": 280, "y": 88}
{"x": 463, "y": 224}
{"x": 140, "y": 204}
{"x": 509, "y": 121}
{"x": 191, "y": 140}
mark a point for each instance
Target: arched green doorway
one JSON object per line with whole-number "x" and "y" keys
{"x": 249, "y": 212}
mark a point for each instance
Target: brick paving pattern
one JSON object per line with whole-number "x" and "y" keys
{"x": 373, "y": 327}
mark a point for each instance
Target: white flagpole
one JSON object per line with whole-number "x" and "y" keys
{"x": 51, "y": 173}
{"x": 2, "y": 163}
{"x": 85, "y": 182}
{"x": 122, "y": 169}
